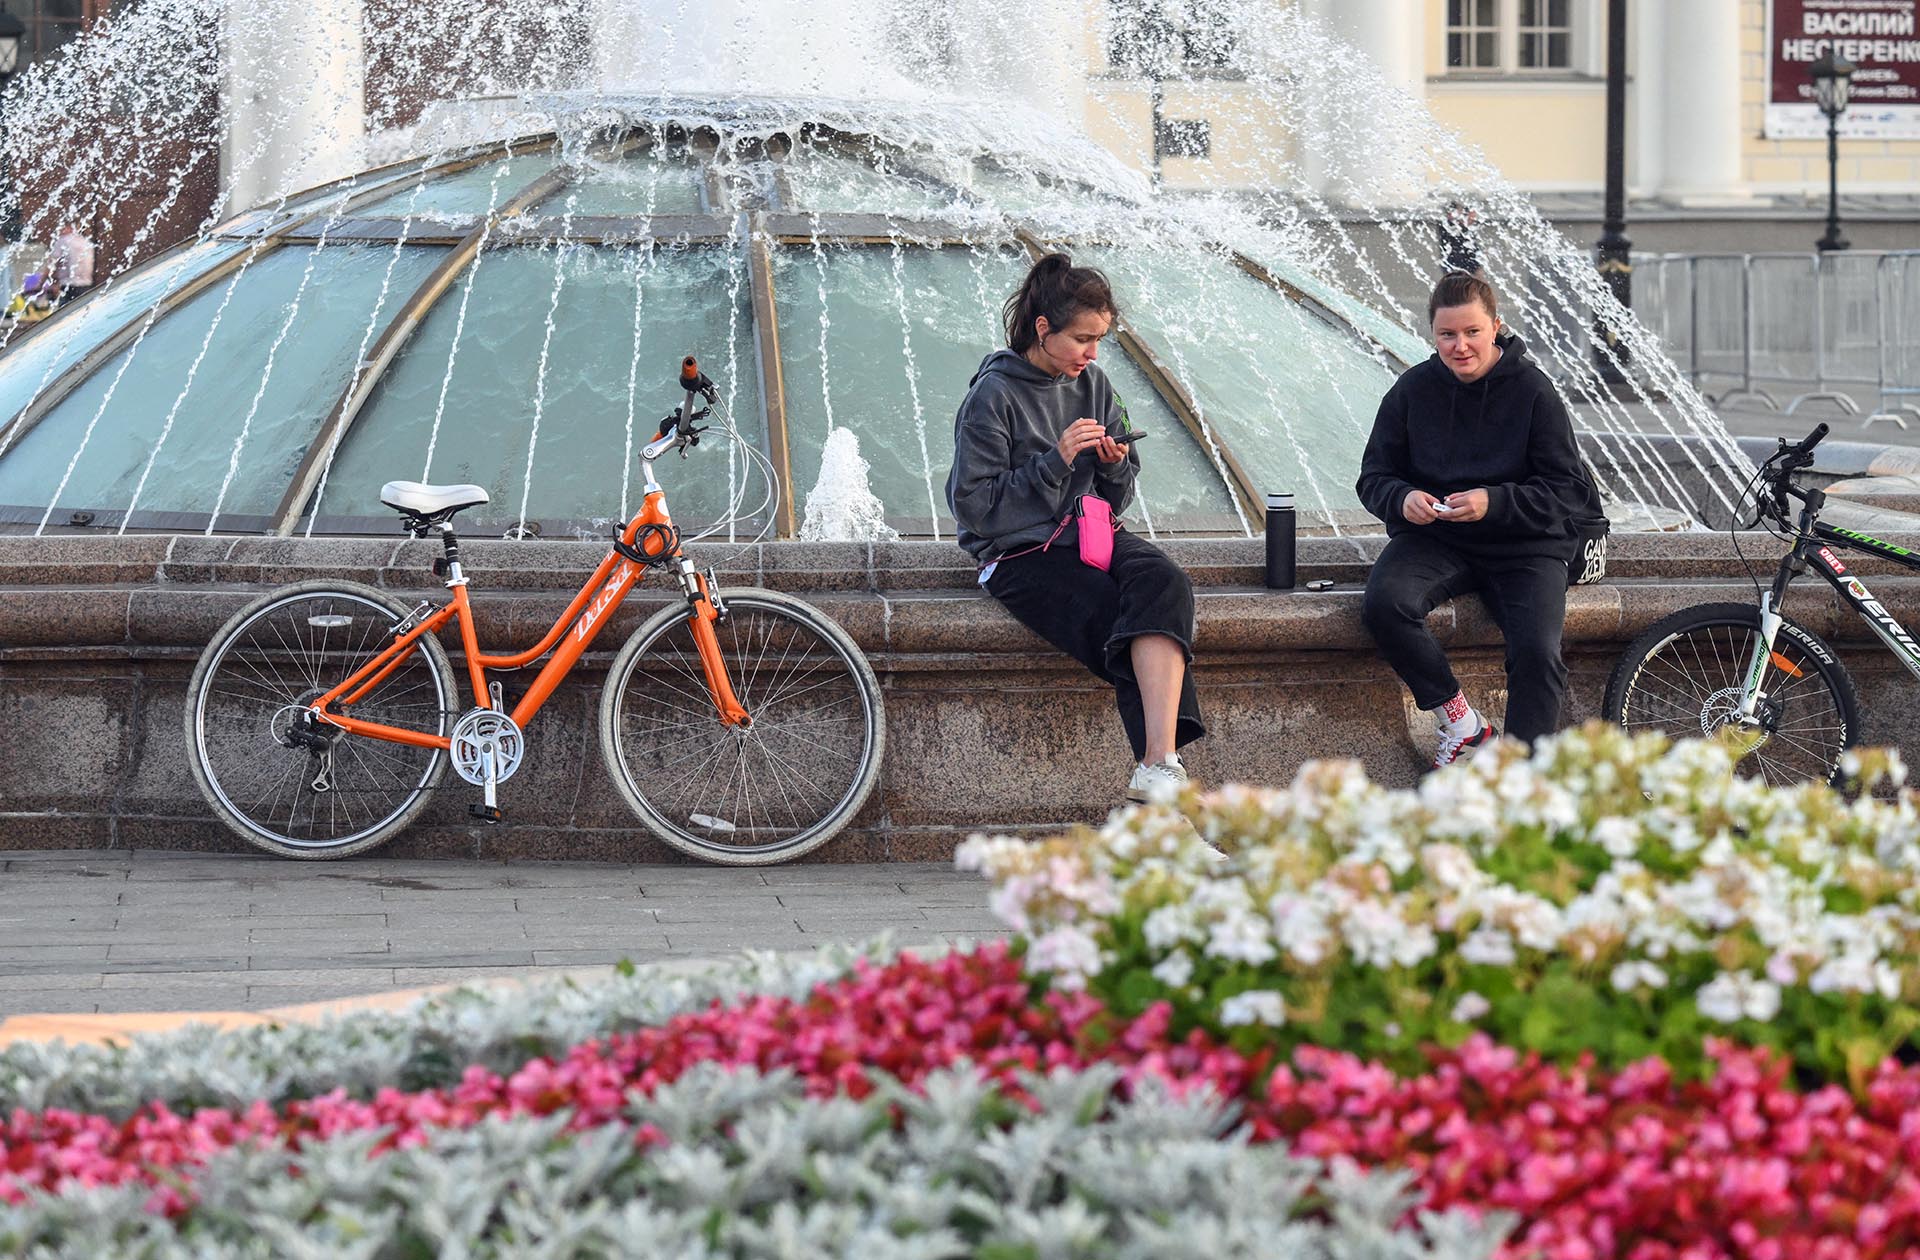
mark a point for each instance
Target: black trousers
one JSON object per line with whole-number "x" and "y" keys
{"x": 1527, "y": 596}
{"x": 1094, "y": 617}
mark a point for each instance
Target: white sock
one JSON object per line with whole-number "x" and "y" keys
{"x": 1456, "y": 716}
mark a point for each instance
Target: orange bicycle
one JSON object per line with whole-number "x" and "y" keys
{"x": 742, "y": 729}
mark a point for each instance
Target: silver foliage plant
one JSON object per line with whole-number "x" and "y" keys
{"x": 754, "y": 1168}
{"x": 428, "y": 1044}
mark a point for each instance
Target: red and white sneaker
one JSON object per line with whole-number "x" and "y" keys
{"x": 1459, "y": 748}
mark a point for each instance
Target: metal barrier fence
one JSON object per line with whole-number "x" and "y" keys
{"x": 1800, "y": 327}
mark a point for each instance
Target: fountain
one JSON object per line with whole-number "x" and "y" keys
{"x": 468, "y": 243}
{"x": 447, "y": 248}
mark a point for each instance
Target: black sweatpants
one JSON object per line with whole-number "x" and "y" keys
{"x": 1527, "y": 596}
{"x": 1094, "y": 617}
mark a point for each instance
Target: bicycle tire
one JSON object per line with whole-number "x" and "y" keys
{"x": 1684, "y": 673}
{"x": 815, "y": 745}
{"x": 271, "y": 659}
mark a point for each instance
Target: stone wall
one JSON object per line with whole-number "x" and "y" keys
{"x": 987, "y": 727}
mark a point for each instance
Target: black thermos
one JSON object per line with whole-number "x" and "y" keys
{"x": 1280, "y": 542}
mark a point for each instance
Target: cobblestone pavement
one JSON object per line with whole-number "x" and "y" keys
{"x": 112, "y": 931}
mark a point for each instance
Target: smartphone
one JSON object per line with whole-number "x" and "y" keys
{"x": 1441, "y": 507}
{"x": 1128, "y": 439}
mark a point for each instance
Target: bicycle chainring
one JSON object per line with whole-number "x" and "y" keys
{"x": 483, "y": 735}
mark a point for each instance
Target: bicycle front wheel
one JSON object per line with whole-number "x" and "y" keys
{"x": 749, "y": 795}
{"x": 275, "y": 780}
{"x": 1684, "y": 675}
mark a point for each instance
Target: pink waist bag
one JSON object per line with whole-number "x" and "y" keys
{"x": 1095, "y": 515}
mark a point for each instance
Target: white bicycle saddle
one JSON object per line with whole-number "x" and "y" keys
{"x": 424, "y": 500}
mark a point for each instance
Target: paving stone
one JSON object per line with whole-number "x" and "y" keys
{"x": 47, "y": 1002}
{"x": 370, "y": 977}
{"x": 13, "y": 981}
{"x": 170, "y": 965}
{"x": 421, "y": 977}
{"x": 269, "y": 920}
{"x": 223, "y": 997}
{"x": 14, "y": 953}
{"x": 344, "y": 940}
{"x": 262, "y": 997}
{"x": 578, "y": 957}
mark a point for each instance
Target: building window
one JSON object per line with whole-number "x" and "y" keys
{"x": 1184, "y": 137}
{"x": 1473, "y": 35}
{"x": 1546, "y": 35}
{"x": 1158, "y": 39}
{"x": 1505, "y": 36}
{"x": 50, "y": 24}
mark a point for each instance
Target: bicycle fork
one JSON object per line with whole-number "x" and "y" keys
{"x": 703, "y": 597}
{"x": 1750, "y": 695}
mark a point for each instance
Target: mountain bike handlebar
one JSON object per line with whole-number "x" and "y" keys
{"x": 1777, "y": 473}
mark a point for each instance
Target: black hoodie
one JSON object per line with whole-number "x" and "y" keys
{"x": 1507, "y": 432}
{"x": 1009, "y": 488}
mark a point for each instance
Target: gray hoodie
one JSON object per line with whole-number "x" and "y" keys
{"x": 1009, "y": 488}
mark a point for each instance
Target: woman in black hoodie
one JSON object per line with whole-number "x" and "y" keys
{"x": 1473, "y": 467}
{"x": 1039, "y": 429}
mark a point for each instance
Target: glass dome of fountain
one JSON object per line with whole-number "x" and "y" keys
{"x": 512, "y": 315}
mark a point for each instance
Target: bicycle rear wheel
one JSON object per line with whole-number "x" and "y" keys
{"x": 752, "y": 795}
{"x": 244, "y": 723}
{"x": 1683, "y": 676}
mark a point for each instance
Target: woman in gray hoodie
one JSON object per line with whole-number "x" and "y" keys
{"x": 1041, "y": 427}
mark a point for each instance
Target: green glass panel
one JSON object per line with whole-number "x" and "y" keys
{"x": 192, "y": 389}
{"x": 830, "y": 183}
{"x": 1292, "y": 395}
{"x": 903, "y": 333}
{"x": 475, "y": 190}
{"x": 1180, "y": 486}
{"x": 459, "y": 404}
{"x": 632, "y": 186}
{"x": 36, "y": 361}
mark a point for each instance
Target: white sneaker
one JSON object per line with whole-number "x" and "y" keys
{"x": 1457, "y": 748}
{"x": 1157, "y": 781}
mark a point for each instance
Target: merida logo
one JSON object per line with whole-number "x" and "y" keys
{"x": 1889, "y": 627}
{"x": 621, "y": 576}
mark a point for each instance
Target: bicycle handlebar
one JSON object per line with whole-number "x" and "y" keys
{"x": 1780, "y": 467}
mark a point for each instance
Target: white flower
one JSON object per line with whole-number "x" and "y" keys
{"x": 1491, "y": 947}
{"x": 1257, "y": 1006}
{"x": 1629, "y": 976}
{"x": 1238, "y": 936}
{"x": 1069, "y": 952}
{"x": 1470, "y": 1007}
{"x": 1620, "y": 838}
{"x": 1735, "y": 995}
{"x": 1174, "y": 970}
{"x": 1168, "y": 926}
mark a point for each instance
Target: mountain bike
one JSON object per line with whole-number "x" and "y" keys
{"x": 741, "y": 728}
{"x": 1719, "y": 665}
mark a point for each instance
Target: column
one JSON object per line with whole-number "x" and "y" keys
{"x": 1700, "y": 102}
{"x": 295, "y": 93}
{"x": 1366, "y": 157}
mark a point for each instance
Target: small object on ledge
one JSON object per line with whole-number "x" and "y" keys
{"x": 1320, "y": 584}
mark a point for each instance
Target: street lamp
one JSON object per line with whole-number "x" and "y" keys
{"x": 1832, "y": 83}
{"x": 1615, "y": 250}
{"x": 12, "y": 33}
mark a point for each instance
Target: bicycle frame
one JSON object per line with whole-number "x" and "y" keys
{"x": 1814, "y": 548}
{"x": 570, "y": 636}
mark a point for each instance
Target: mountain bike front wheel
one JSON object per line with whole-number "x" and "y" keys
{"x": 767, "y": 791}
{"x": 276, "y": 778}
{"x": 1683, "y": 676}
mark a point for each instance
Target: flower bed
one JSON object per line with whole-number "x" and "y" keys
{"x": 1600, "y": 1001}
{"x": 1610, "y": 895}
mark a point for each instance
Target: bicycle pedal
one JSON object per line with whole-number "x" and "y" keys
{"x": 487, "y": 813}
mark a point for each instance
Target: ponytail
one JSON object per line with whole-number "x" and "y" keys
{"x": 1058, "y": 291}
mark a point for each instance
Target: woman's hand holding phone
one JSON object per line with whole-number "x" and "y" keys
{"x": 1082, "y": 435}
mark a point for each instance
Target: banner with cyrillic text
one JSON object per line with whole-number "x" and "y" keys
{"x": 1880, "y": 37}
